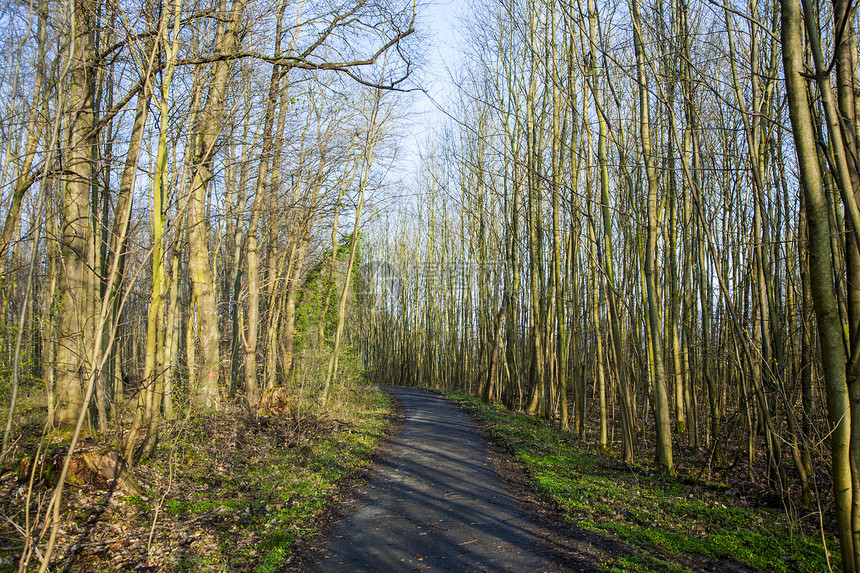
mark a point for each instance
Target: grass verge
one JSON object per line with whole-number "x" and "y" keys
{"x": 672, "y": 523}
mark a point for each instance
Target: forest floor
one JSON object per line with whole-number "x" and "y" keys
{"x": 225, "y": 492}
{"x": 643, "y": 521}
{"x": 228, "y": 492}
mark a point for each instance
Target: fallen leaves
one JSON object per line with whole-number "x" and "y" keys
{"x": 232, "y": 491}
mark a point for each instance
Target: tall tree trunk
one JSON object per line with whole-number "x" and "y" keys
{"x": 661, "y": 402}
{"x": 202, "y": 274}
{"x": 821, "y": 274}
{"x": 252, "y": 386}
{"x": 71, "y": 367}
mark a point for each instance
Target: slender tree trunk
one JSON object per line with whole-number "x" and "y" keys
{"x": 661, "y": 402}
{"x": 371, "y": 139}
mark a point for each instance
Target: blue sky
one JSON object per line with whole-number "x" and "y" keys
{"x": 438, "y": 21}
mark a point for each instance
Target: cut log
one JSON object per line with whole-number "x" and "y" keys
{"x": 275, "y": 402}
{"x": 98, "y": 468}
{"x": 110, "y": 466}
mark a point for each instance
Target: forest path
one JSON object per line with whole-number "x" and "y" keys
{"x": 436, "y": 504}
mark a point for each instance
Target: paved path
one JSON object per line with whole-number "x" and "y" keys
{"x": 437, "y": 505}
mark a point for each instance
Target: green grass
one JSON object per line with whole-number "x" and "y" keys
{"x": 661, "y": 517}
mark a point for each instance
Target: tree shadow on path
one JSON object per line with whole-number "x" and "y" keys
{"x": 437, "y": 504}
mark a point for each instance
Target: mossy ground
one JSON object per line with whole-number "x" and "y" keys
{"x": 225, "y": 491}
{"x": 671, "y": 522}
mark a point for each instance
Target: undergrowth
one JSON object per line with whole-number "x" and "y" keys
{"x": 225, "y": 491}
{"x": 668, "y": 520}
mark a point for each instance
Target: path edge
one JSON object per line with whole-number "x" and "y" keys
{"x": 521, "y": 486}
{"x": 345, "y": 499}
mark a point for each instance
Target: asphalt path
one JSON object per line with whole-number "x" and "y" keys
{"x": 436, "y": 504}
